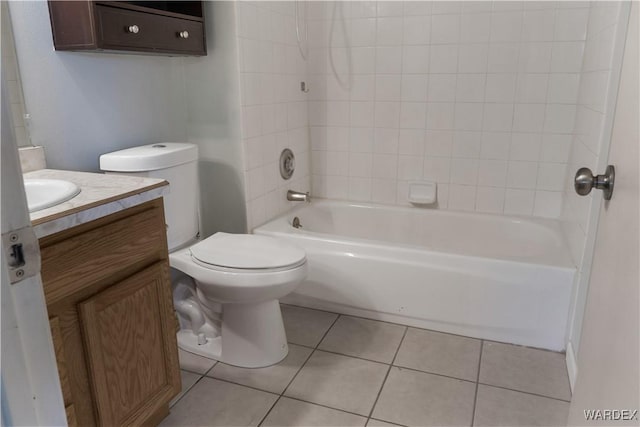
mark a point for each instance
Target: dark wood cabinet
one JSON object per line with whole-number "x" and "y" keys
{"x": 155, "y": 27}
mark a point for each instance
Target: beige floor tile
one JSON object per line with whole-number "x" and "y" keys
{"x": 525, "y": 369}
{"x": 272, "y": 378}
{"x": 290, "y": 412}
{"x": 419, "y": 399}
{"x": 439, "y": 353}
{"x": 217, "y": 403}
{"x": 194, "y": 363}
{"x": 340, "y": 382}
{"x": 364, "y": 338}
{"x": 188, "y": 380}
{"x": 500, "y": 407}
{"x": 377, "y": 423}
{"x": 305, "y": 326}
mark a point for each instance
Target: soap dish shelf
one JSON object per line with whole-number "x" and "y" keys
{"x": 422, "y": 192}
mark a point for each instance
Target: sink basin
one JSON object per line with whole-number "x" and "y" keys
{"x": 45, "y": 193}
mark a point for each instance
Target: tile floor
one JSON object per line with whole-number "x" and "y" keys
{"x": 348, "y": 371}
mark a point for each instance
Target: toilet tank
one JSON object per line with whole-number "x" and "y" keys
{"x": 175, "y": 162}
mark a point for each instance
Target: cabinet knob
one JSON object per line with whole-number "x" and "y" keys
{"x": 183, "y": 34}
{"x": 133, "y": 29}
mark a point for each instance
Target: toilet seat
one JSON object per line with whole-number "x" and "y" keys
{"x": 248, "y": 253}
{"x": 236, "y": 285}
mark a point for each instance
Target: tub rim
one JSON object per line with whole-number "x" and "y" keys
{"x": 275, "y": 227}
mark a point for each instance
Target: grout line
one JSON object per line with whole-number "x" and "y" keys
{"x": 524, "y": 346}
{"x": 301, "y": 345}
{"x": 211, "y": 368}
{"x": 196, "y": 372}
{"x": 243, "y": 385}
{"x": 388, "y": 422}
{"x": 269, "y": 411}
{"x": 354, "y": 357}
{"x": 325, "y": 406}
{"x": 475, "y": 397}
{"x": 297, "y": 372}
{"x": 526, "y": 392}
{"x": 433, "y": 373}
{"x": 375, "y": 402}
{"x": 482, "y": 122}
{"x": 310, "y": 354}
{"x": 308, "y": 308}
{"x": 399, "y": 345}
{"x": 187, "y": 390}
{"x": 328, "y": 329}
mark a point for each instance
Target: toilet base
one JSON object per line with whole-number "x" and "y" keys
{"x": 252, "y": 336}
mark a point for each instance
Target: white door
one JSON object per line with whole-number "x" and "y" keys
{"x": 608, "y": 372}
{"x": 31, "y": 392}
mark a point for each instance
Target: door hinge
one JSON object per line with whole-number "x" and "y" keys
{"x": 22, "y": 254}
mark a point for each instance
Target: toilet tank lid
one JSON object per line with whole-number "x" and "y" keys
{"x": 149, "y": 157}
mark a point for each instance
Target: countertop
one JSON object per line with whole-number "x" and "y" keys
{"x": 100, "y": 195}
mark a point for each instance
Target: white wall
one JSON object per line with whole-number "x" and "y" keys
{"x": 590, "y": 146}
{"x": 477, "y": 96}
{"x": 12, "y": 78}
{"x": 83, "y": 105}
{"x": 274, "y": 110}
{"x": 212, "y": 88}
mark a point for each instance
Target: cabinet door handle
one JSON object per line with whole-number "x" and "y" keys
{"x": 183, "y": 34}
{"x": 133, "y": 29}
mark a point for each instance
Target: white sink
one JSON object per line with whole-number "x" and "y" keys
{"x": 45, "y": 193}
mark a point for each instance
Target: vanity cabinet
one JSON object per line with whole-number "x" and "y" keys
{"x": 169, "y": 27}
{"x": 108, "y": 295}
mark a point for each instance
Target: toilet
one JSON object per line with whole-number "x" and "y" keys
{"x": 225, "y": 287}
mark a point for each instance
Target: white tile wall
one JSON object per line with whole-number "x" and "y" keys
{"x": 590, "y": 117}
{"x": 275, "y": 112}
{"x": 478, "y": 96}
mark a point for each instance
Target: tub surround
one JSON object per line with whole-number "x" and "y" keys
{"x": 100, "y": 195}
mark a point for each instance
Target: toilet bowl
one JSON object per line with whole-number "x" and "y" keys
{"x": 231, "y": 312}
{"x": 225, "y": 287}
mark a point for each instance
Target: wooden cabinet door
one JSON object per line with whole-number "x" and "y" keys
{"x": 132, "y": 357}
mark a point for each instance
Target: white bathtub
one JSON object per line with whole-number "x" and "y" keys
{"x": 486, "y": 276}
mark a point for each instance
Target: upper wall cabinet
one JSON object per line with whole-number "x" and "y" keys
{"x": 157, "y": 27}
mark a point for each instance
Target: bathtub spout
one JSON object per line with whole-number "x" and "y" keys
{"x": 296, "y": 196}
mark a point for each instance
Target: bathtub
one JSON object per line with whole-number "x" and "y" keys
{"x": 493, "y": 277}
